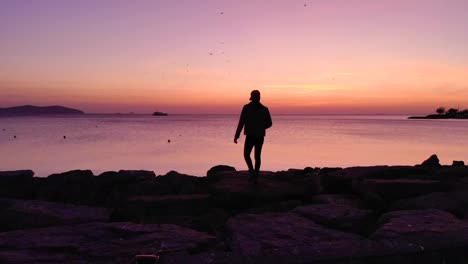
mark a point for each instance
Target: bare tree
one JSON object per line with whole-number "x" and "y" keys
{"x": 440, "y": 110}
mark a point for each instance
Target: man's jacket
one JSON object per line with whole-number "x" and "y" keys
{"x": 255, "y": 119}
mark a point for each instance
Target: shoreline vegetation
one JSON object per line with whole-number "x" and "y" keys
{"x": 452, "y": 113}
{"x": 376, "y": 214}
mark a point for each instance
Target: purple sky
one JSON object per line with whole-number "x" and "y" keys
{"x": 185, "y": 56}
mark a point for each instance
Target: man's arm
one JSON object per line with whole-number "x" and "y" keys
{"x": 240, "y": 125}
{"x": 268, "y": 122}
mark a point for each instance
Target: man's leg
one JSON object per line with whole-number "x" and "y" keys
{"x": 248, "y": 146}
{"x": 258, "y": 154}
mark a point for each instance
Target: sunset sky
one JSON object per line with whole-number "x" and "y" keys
{"x": 205, "y": 56}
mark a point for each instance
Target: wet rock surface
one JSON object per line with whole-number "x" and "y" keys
{"x": 21, "y": 214}
{"x": 450, "y": 202}
{"x": 378, "y": 214}
{"x": 429, "y": 229}
{"x": 411, "y": 223}
{"x": 97, "y": 243}
{"x": 339, "y": 216}
{"x": 287, "y": 237}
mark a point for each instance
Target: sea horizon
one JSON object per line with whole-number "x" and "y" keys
{"x": 193, "y": 143}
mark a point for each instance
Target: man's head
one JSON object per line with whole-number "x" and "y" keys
{"x": 255, "y": 96}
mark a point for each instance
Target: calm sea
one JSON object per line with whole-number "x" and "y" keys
{"x": 198, "y": 142}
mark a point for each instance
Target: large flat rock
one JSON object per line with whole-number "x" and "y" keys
{"x": 18, "y": 175}
{"x": 429, "y": 229}
{"x": 404, "y": 237}
{"x": 16, "y": 184}
{"x": 341, "y": 181}
{"x": 96, "y": 243}
{"x": 388, "y": 190}
{"x": 20, "y": 214}
{"x": 179, "y": 183}
{"x": 341, "y": 216}
{"x": 145, "y": 208}
{"x": 290, "y": 238}
{"x": 234, "y": 189}
{"x": 74, "y": 186}
{"x": 218, "y": 170}
{"x": 124, "y": 177}
{"x": 449, "y": 202}
{"x": 341, "y": 199}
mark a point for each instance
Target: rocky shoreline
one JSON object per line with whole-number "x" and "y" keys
{"x": 378, "y": 214}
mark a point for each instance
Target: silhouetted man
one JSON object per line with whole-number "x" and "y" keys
{"x": 255, "y": 119}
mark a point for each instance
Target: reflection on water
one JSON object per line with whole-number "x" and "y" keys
{"x": 198, "y": 142}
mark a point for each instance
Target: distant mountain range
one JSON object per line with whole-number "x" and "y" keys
{"x": 38, "y": 110}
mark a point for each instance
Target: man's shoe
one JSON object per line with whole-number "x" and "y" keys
{"x": 251, "y": 176}
{"x": 255, "y": 178}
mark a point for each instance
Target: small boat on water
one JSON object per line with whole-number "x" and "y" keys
{"x": 157, "y": 113}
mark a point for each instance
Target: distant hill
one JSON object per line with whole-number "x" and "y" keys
{"x": 38, "y": 110}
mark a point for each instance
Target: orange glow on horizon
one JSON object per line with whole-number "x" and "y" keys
{"x": 331, "y": 57}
